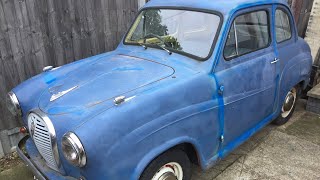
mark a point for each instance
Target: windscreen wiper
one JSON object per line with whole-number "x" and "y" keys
{"x": 164, "y": 48}
{"x": 143, "y": 45}
{"x": 158, "y": 37}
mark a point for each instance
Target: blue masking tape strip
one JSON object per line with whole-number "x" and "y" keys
{"x": 244, "y": 137}
{"x": 48, "y": 78}
{"x": 219, "y": 96}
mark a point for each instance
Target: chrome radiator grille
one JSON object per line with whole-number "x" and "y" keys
{"x": 43, "y": 134}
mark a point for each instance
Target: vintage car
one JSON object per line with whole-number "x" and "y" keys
{"x": 190, "y": 82}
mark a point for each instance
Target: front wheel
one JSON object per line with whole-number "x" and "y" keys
{"x": 288, "y": 107}
{"x": 172, "y": 165}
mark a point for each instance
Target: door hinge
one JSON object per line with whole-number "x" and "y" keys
{"x": 220, "y": 91}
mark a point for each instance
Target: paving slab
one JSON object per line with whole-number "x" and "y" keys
{"x": 19, "y": 172}
{"x": 280, "y": 156}
{"x": 307, "y": 128}
{"x": 315, "y": 92}
{"x": 290, "y": 151}
{"x": 314, "y": 100}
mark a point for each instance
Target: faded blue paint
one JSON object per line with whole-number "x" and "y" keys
{"x": 177, "y": 99}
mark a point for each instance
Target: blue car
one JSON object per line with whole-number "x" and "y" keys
{"x": 190, "y": 82}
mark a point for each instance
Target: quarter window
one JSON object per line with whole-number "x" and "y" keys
{"x": 249, "y": 32}
{"x": 283, "y": 28}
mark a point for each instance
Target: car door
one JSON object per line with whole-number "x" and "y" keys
{"x": 247, "y": 72}
{"x": 287, "y": 48}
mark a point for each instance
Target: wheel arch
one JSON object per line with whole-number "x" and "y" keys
{"x": 185, "y": 143}
{"x": 295, "y": 72}
{"x": 303, "y": 84}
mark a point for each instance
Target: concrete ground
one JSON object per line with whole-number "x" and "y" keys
{"x": 288, "y": 152}
{"x": 291, "y": 151}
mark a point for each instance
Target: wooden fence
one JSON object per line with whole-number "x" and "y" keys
{"x": 37, "y": 33}
{"x": 301, "y": 10}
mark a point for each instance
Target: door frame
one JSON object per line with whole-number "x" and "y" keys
{"x": 224, "y": 150}
{"x": 277, "y": 46}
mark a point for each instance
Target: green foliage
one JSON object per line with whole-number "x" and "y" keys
{"x": 173, "y": 42}
{"x": 153, "y": 23}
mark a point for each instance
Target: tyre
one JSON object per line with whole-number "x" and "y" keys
{"x": 172, "y": 165}
{"x": 288, "y": 107}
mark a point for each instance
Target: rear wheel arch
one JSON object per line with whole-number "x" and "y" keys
{"x": 303, "y": 84}
{"x": 288, "y": 105}
{"x": 289, "y": 79}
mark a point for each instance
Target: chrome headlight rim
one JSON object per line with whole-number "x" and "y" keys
{"x": 12, "y": 98}
{"x": 73, "y": 140}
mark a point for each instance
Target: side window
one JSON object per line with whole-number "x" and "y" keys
{"x": 249, "y": 33}
{"x": 283, "y": 28}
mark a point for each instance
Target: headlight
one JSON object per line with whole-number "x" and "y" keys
{"x": 13, "y": 104}
{"x": 73, "y": 150}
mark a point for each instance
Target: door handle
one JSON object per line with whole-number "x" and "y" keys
{"x": 275, "y": 60}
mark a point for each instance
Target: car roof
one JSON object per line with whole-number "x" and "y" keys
{"x": 225, "y": 7}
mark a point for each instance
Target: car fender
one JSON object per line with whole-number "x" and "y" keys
{"x": 154, "y": 138}
{"x": 296, "y": 70}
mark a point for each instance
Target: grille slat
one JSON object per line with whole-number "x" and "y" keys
{"x": 45, "y": 151}
{"x": 41, "y": 125}
{"x": 42, "y": 139}
{"x": 42, "y": 132}
{"x": 45, "y": 136}
{"x": 39, "y": 142}
{"x": 43, "y": 145}
{"x": 41, "y": 128}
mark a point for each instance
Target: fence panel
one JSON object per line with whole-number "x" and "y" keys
{"x": 301, "y": 10}
{"x": 37, "y": 33}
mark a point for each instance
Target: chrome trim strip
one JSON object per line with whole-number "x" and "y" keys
{"x": 15, "y": 102}
{"x": 47, "y": 68}
{"x": 62, "y": 93}
{"x": 118, "y": 100}
{"x": 73, "y": 138}
{"x": 52, "y": 132}
{"x": 236, "y": 37}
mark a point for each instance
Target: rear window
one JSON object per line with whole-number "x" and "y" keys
{"x": 249, "y": 33}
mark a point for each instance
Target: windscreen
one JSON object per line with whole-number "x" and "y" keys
{"x": 183, "y": 31}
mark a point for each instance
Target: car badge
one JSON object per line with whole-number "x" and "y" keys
{"x": 32, "y": 128}
{"x": 60, "y": 94}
